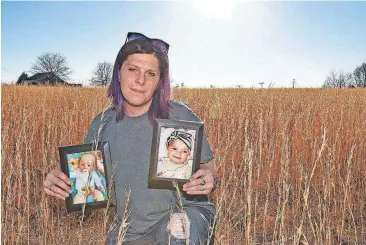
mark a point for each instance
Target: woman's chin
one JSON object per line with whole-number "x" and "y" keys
{"x": 137, "y": 102}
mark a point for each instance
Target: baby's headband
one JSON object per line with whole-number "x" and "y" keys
{"x": 183, "y": 136}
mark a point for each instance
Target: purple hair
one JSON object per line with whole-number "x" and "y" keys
{"x": 159, "y": 107}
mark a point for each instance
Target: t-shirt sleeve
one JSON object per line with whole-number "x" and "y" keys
{"x": 92, "y": 131}
{"x": 180, "y": 111}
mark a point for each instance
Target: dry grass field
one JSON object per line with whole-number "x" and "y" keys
{"x": 292, "y": 163}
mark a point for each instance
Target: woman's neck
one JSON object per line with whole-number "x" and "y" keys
{"x": 134, "y": 111}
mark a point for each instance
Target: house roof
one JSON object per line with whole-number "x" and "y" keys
{"x": 47, "y": 76}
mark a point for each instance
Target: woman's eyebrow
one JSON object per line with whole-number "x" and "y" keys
{"x": 139, "y": 67}
{"x": 153, "y": 70}
{"x": 130, "y": 64}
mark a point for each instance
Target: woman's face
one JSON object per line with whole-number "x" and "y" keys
{"x": 178, "y": 152}
{"x": 139, "y": 77}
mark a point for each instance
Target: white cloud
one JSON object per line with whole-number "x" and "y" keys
{"x": 215, "y": 8}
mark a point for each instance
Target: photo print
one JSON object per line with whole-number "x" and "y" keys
{"x": 89, "y": 169}
{"x": 175, "y": 152}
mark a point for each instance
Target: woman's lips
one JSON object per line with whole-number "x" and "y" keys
{"x": 137, "y": 91}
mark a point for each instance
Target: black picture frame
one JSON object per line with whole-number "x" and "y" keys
{"x": 162, "y": 130}
{"x": 70, "y": 166}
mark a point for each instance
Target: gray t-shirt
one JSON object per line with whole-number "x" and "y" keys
{"x": 130, "y": 147}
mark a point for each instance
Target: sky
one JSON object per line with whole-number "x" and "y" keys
{"x": 223, "y": 43}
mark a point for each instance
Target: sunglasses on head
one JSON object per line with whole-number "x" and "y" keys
{"x": 158, "y": 45}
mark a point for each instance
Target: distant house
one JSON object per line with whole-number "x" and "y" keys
{"x": 47, "y": 78}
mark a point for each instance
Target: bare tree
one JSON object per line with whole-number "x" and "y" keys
{"x": 53, "y": 63}
{"x": 103, "y": 74}
{"x": 360, "y": 76}
{"x": 338, "y": 80}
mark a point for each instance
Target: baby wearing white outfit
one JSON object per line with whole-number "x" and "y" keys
{"x": 177, "y": 165}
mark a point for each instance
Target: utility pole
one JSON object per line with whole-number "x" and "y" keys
{"x": 261, "y": 83}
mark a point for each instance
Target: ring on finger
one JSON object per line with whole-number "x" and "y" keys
{"x": 203, "y": 181}
{"x": 50, "y": 186}
{"x": 201, "y": 188}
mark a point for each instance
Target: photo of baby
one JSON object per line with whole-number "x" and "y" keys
{"x": 87, "y": 176}
{"x": 176, "y": 150}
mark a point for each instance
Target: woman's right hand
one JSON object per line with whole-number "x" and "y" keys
{"x": 57, "y": 184}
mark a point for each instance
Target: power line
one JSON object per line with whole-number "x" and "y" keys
{"x": 8, "y": 71}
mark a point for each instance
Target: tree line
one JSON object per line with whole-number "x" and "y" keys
{"x": 341, "y": 79}
{"x": 56, "y": 64}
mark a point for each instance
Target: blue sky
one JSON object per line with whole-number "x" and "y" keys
{"x": 221, "y": 43}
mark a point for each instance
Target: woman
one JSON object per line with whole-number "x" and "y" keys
{"x": 140, "y": 92}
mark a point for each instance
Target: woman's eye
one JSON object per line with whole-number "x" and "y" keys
{"x": 174, "y": 148}
{"x": 152, "y": 74}
{"x": 131, "y": 69}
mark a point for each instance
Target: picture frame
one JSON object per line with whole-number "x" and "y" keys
{"x": 90, "y": 170}
{"x": 175, "y": 152}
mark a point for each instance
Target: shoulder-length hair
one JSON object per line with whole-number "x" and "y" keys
{"x": 159, "y": 107}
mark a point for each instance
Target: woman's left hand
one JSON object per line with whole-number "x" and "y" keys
{"x": 201, "y": 183}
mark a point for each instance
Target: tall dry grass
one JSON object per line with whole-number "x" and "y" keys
{"x": 292, "y": 163}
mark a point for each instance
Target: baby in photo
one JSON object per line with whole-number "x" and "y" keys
{"x": 177, "y": 165}
{"x": 86, "y": 179}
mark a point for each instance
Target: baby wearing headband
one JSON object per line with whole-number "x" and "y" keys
{"x": 177, "y": 165}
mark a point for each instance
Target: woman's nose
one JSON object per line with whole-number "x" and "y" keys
{"x": 141, "y": 78}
